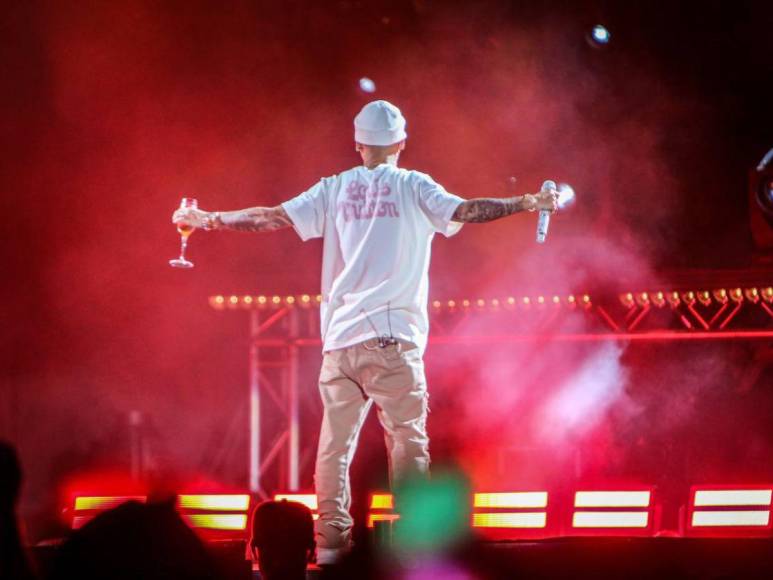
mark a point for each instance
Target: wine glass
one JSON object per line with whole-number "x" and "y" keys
{"x": 185, "y": 231}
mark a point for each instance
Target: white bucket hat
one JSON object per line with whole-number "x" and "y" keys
{"x": 379, "y": 123}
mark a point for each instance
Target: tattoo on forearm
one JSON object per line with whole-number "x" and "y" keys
{"x": 486, "y": 209}
{"x": 256, "y": 219}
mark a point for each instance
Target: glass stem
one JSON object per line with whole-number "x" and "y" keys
{"x": 183, "y": 245}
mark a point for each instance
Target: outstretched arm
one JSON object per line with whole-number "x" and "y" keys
{"x": 253, "y": 219}
{"x": 486, "y": 209}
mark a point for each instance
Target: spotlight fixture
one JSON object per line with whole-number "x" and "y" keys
{"x": 367, "y": 85}
{"x": 599, "y": 36}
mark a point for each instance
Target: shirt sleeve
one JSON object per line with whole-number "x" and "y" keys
{"x": 307, "y": 211}
{"x": 438, "y": 205}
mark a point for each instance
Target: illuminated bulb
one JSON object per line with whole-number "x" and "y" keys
{"x": 481, "y": 303}
{"x": 689, "y": 297}
{"x": 510, "y": 300}
{"x": 219, "y": 299}
{"x": 247, "y": 299}
{"x": 305, "y": 298}
{"x": 451, "y": 304}
{"x": 673, "y": 299}
{"x": 290, "y": 299}
{"x": 494, "y": 302}
{"x": 526, "y": 300}
{"x": 318, "y": 298}
{"x": 541, "y": 299}
{"x": 659, "y": 299}
{"x": 600, "y": 35}
{"x": 752, "y": 295}
{"x": 767, "y": 294}
{"x": 233, "y": 300}
{"x": 736, "y": 294}
{"x": 643, "y": 299}
{"x": 586, "y": 298}
{"x": 367, "y": 85}
{"x": 465, "y": 303}
{"x": 704, "y": 297}
{"x": 556, "y": 300}
{"x": 276, "y": 299}
{"x": 436, "y": 304}
{"x": 570, "y": 299}
{"x": 262, "y": 299}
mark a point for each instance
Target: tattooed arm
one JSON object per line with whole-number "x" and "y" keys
{"x": 254, "y": 219}
{"x": 486, "y": 209}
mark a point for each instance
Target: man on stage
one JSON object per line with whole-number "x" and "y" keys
{"x": 377, "y": 222}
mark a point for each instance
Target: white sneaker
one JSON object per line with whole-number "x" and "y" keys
{"x": 329, "y": 556}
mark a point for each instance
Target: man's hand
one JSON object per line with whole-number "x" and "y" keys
{"x": 196, "y": 218}
{"x": 546, "y": 200}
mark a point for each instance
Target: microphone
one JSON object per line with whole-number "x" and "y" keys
{"x": 544, "y": 215}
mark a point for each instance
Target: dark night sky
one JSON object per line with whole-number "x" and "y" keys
{"x": 113, "y": 110}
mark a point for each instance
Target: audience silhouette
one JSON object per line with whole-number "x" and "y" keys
{"x": 282, "y": 539}
{"x": 135, "y": 540}
{"x": 13, "y": 558}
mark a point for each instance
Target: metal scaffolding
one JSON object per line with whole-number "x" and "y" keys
{"x": 281, "y": 325}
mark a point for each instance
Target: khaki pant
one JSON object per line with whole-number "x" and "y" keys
{"x": 350, "y": 381}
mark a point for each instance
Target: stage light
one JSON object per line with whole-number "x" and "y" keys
{"x": 219, "y": 299}
{"x": 510, "y": 520}
{"x": 239, "y": 502}
{"x": 720, "y": 295}
{"x": 733, "y": 497}
{"x": 710, "y": 508}
{"x": 233, "y": 300}
{"x": 436, "y": 304}
{"x": 318, "y": 298}
{"x": 627, "y": 300}
{"x": 517, "y": 499}
{"x": 104, "y": 502}
{"x": 382, "y": 501}
{"x": 480, "y": 302}
{"x": 673, "y": 299}
{"x": 276, "y": 299}
{"x": 465, "y": 303}
{"x": 659, "y": 299}
{"x": 290, "y": 299}
{"x": 218, "y": 521}
{"x": 599, "y": 36}
{"x": 767, "y": 294}
{"x": 307, "y": 499}
{"x": 607, "y": 499}
{"x": 510, "y": 300}
{"x": 372, "y": 518}
{"x": 736, "y": 295}
{"x": 262, "y": 299}
{"x": 247, "y": 299}
{"x": 610, "y": 519}
{"x": 752, "y": 295}
{"x": 451, "y": 304}
{"x": 494, "y": 302}
{"x": 367, "y": 85}
{"x": 643, "y": 299}
{"x": 526, "y": 301}
{"x": 704, "y": 297}
{"x": 540, "y": 299}
{"x": 305, "y": 298}
{"x": 689, "y": 298}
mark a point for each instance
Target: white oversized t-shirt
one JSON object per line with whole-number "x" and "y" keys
{"x": 377, "y": 226}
